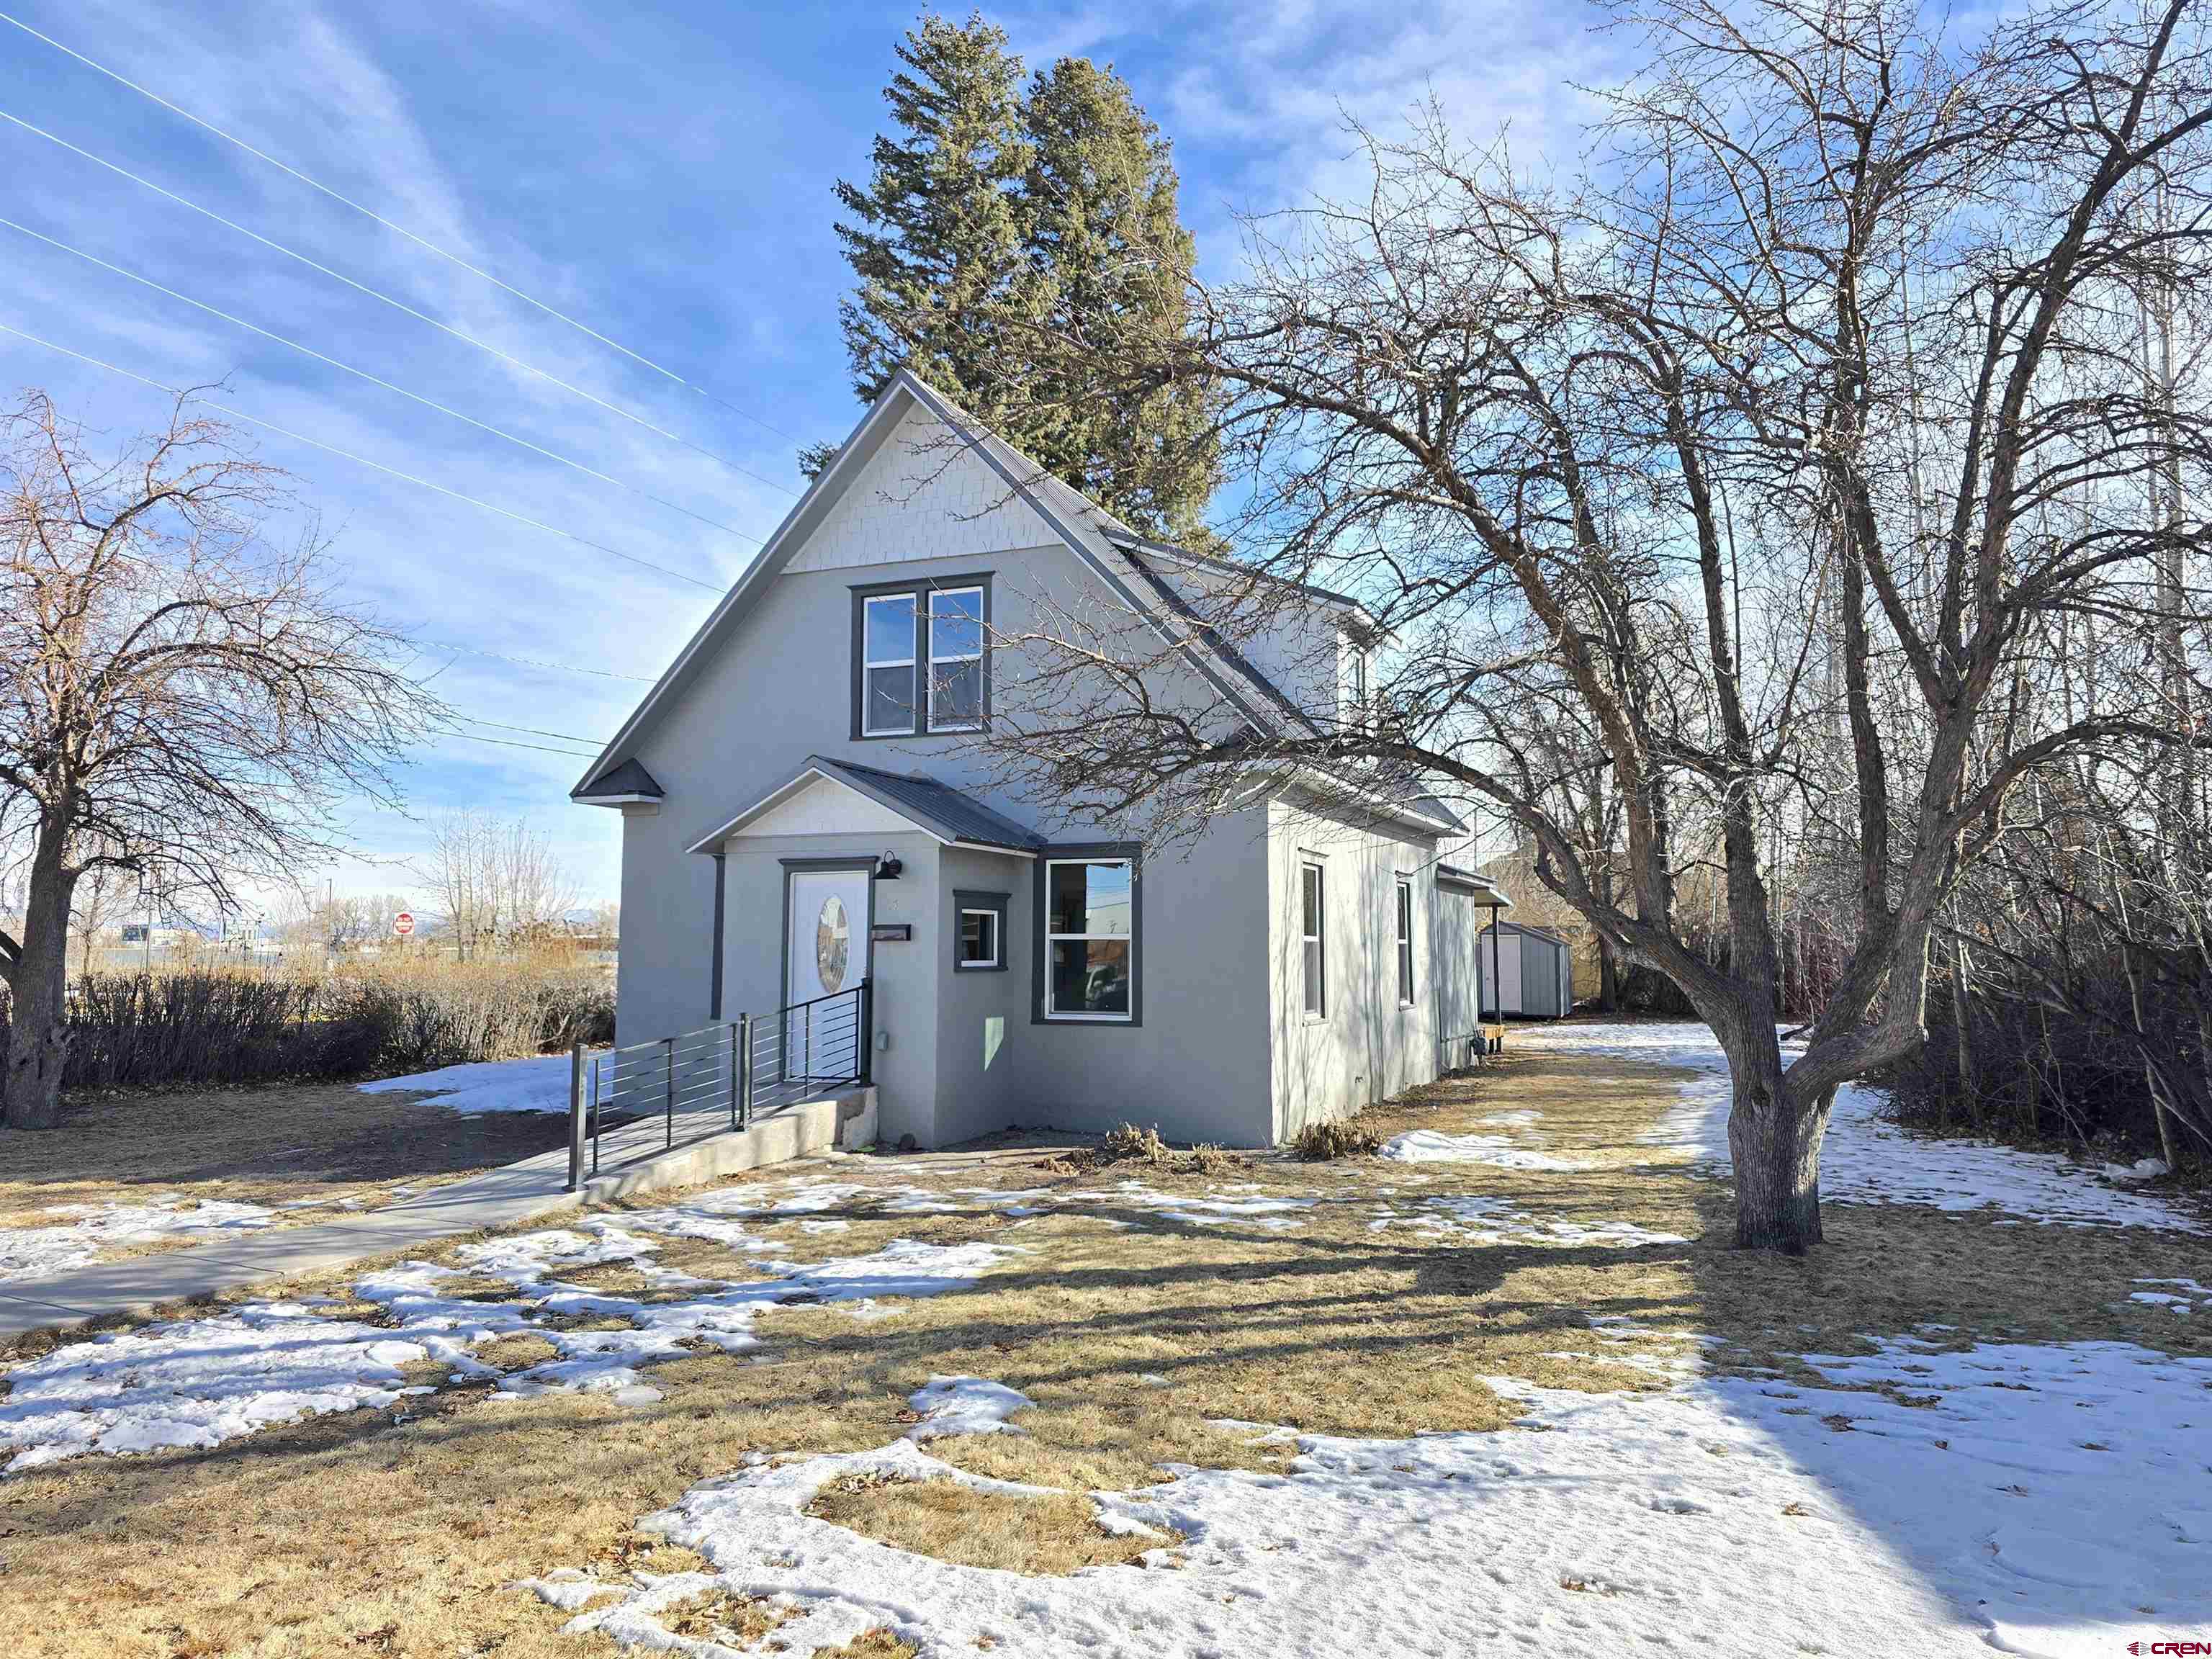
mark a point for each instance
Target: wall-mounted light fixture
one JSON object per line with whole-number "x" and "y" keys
{"x": 888, "y": 867}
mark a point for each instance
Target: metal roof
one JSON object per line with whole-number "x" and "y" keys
{"x": 1486, "y": 890}
{"x": 628, "y": 781}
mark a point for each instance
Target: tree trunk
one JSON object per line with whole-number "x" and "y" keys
{"x": 1776, "y": 1149}
{"x": 1608, "y": 962}
{"x": 38, "y": 1035}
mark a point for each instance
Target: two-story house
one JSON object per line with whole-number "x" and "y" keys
{"x": 805, "y": 804}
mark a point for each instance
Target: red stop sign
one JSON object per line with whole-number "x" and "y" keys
{"x": 403, "y": 923}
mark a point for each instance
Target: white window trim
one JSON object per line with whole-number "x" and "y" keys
{"x": 975, "y": 656}
{"x": 869, "y": 665}
{"x": 997, "y": 943}
{"x": 1407, "y": 987}
{"x": 1315, "y": 1009}
{"x": 1051, "y": 1011}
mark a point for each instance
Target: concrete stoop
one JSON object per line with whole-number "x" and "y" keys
{"x": 840, "y": 1122}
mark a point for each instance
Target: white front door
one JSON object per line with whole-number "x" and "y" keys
{"x": 826, "y": 953}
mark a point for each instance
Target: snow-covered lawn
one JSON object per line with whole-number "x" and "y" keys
{"x": 539, "y": 1083}
{"x": 2045, "y": 1500}
{"x": 1868, "y": 1159}
{"x": 1944, "y": 1491}
{"x": 93, "y": 1231}
{"x": 199, "y": 1382}
{"x": 2037, "y": 1500}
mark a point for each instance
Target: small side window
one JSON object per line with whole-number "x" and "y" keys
{"x": 979, "y": 932}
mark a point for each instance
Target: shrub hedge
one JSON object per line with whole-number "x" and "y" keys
{"x": 203, "y": 1026}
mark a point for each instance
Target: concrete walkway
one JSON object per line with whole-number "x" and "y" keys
{"x": 634, "y": 1158}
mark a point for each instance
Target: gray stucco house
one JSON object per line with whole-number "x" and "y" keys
{"x": 805, "y": 802}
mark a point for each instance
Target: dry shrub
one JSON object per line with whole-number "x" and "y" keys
{"x": 1319, "y": 1142}
{"x": 229, "y": 1026}
{"x": 1127, "y": 1144}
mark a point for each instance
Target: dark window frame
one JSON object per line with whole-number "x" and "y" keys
{"x": 918, "y": 589}
{"x": 1313, "y": 978}
{"x": 965, "y": 899}
{"x": 1403, "y": 903}
{"x": 1130, "y": 852}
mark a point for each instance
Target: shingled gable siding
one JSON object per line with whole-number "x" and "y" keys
{"x": 922, "y": 497}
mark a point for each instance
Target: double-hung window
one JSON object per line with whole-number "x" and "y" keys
{"x": 922, "y": 658}
{"x": 956, "y": 659}
{"x": 1089, "y": 939}
{"x": 1405, "y": 942}
{"x": 1313, "y": 963}
{"x": 887, "y": 630}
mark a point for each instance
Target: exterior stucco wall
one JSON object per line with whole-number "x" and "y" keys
{"x": 1215, "y": 1003}
{"x": 1455, "y": 934}
{"x": 983, "y": 1018}
{"x": 1367, "y": 1046}
{"x": 1197, "y": 1066}
{"x": 904, "y": 989}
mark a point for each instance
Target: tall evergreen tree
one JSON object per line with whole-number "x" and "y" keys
{"x": 1110, "y": 260}
{"x": 936, "y": 239}
{"x": 1003, "y": 240}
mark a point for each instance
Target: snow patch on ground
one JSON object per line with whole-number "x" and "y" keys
{"x": 2034, "y": 1499}
{"x": 964, "y": 1405}
{"x": 97, "y": 1229}
{"x": 1868, "y": 1159}
{"x": 199, "y": 1382}
{"x": 1431, "y": 1147}
{"x": 539, "y": 1083}
{"x": 2184, "y": 1296}
{"x": 1481, "y": 1219}
{"x": 1217, "y": 1208}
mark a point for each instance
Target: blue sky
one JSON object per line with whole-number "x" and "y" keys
{"x": 660, "y": 172}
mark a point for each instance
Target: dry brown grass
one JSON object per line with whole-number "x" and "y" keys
{"x": 878, "y": 1644}
{"x": 719, "y": 1616}
{"x": 280, "y": 1145}
{"x": 1048, "y": 1535}
{"x": 367, "y": 1532}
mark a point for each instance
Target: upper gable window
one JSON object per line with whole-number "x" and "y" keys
{"x": 921, "y": 657}
{"x": 887, "y": 674}
{"x": 956, "y": 659}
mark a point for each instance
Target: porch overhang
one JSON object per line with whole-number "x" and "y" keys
{"x": 1475, "y": 884}
{"x": 938, "y": 811}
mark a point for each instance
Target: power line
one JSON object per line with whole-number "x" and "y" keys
{"x": 536, "y": 662}
{"x": 420, "y": 241}
{"x": 375, "y": 380}
{"x": 509, "y": 743}
{"x": 396, "y": 304}
{"x": 362, "y": 460}
{"x": 536, "y": 732}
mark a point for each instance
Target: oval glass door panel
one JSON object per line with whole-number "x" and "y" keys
{"x": 833, "y": 944}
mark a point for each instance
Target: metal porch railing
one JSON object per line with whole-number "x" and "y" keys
{"x": 745, "y": 1068}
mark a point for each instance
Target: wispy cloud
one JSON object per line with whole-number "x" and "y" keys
{"x": 663, "y": 172}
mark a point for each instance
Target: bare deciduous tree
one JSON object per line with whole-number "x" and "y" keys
{"x": 494, "y": 879}
{"x": 179, "y": 699}
{"x": 1763, "y": 470}
{"x": 103, "y": 895}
